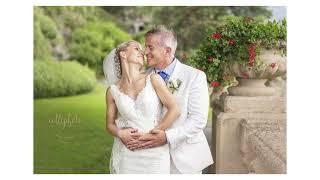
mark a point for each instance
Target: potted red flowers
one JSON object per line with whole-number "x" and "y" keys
{"x": 242, "y": 49}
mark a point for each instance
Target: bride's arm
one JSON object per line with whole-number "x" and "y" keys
{"x": 125, "y": 135}
{"x": 168, "y": 100}
{"x": 111, "y": 114}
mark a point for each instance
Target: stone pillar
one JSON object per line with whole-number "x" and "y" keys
{"x": 234, "y": 114}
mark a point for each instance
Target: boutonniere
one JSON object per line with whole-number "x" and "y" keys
{"x": 174, "y": 85}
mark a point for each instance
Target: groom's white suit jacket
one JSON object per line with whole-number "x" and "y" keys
{"x": 189, "y": 148}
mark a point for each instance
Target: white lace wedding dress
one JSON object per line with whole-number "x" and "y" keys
{"x": 143, "y": 113}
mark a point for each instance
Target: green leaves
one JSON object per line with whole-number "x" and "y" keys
{"x": 91, "y": 43}
{"x": 45, "y": 35}
{"x": 237, "y": 34}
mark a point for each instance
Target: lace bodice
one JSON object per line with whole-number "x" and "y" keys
{"x": 143, "y": 113}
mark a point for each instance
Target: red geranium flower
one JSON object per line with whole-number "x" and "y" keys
{"x": 216, "y": 36}
{"x": 252, "y": 54}
{"x": 232, "y": 42}
{"x": 215, "y": 84}
{"x": 273, "y": 65}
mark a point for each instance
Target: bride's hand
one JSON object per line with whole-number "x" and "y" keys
{"x": 133, "y": 145}
{"x": 128, "y": 134}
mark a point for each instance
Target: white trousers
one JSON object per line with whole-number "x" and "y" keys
{"x": 174, "y": 170}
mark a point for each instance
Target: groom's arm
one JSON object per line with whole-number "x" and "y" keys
{"x": 198, "y": 104}
{"x": 157, "y": 136}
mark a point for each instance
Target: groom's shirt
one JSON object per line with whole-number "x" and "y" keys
{"x": 168, "y": 70}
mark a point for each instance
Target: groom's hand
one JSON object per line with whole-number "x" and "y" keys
{"x": 155, "y": 138}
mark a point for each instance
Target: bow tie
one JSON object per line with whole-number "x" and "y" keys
{"x": 163, "y": 75}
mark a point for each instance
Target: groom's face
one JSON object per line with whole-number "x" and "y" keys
{"x": 154, "y": 51}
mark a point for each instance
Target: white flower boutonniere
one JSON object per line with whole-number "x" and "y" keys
{"x": 174, "y": 85}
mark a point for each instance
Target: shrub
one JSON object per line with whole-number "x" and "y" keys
{"x": 47, "y": 25}
{"x": 92, "y": 42}
{"x": 61, "y": 78}
{"x": 46, "y": 35}
{"x": 41, "y": 45}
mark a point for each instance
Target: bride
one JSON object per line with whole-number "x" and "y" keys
{"x": 134, "y": 102}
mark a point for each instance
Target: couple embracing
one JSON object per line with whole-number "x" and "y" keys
{"x": 156, "y": 116}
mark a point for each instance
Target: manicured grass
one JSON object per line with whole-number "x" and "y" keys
{"x": 77, "y": 145}
{"x": 70, "y": 136}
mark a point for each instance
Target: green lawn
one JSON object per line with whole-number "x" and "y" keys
{"x": 69, "y": 134}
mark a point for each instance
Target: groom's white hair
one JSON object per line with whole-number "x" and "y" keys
{"x": 168, "y": 37}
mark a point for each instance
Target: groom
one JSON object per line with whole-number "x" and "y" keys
{"x": 189, "y": 149}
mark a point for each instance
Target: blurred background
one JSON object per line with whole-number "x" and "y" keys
{"x": 70, "y": 43}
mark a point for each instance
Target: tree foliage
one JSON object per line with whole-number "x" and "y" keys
{"x": 194, "y": 21}
{"x": 91, "y": 43}
{"x": 190, "y": 23}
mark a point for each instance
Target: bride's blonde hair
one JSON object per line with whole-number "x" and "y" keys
{"x": 121, "y": 47}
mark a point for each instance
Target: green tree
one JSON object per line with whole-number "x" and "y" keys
{"x": 194, "y": 21}
{"x": 128, "y": 15}
{"x": 57, "y": 24}
{"x": 190, "y": 23}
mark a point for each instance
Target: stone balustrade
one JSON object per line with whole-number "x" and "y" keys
{"x": 263, "y": 145}
{"x": 250, "y": 134}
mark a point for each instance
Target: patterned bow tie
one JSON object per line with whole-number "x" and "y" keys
{"x": 164, "y": 75}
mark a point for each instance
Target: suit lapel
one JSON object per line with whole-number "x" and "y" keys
{"x": 176, "y": 71}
